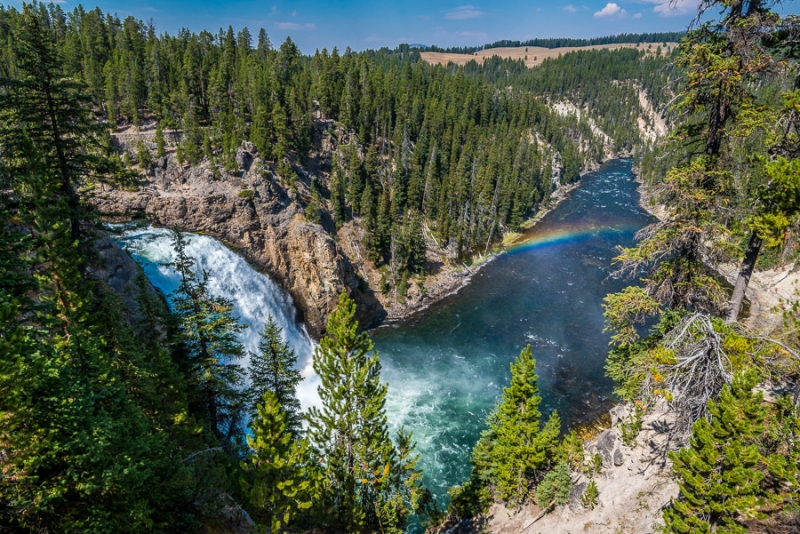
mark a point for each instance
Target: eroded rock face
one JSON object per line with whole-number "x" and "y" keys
{"x": 120, "y": 272}
{"x": 252, "y": 211}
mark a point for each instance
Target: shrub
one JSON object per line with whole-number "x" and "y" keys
{"x": 632, "y": 426}
{"x": 554, "y": 487}
{"x": 595, "y": 465}
{"x": 589, "y": 497}
{"x": 249, "y": 194}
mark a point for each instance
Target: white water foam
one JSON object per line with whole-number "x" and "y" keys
{"x": 255, "y": 296}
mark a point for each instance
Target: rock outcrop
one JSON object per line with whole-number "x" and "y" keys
{"x": 634, "y": 485}
{"x": 256, "y": 212}
{"x": 120, "y": 273}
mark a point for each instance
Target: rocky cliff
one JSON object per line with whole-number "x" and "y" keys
{"x": 253, "y": 210}
{"x": 122, "y": 275}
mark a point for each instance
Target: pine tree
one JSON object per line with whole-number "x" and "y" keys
{"x": 520, "y": 451}
{"x": 368, "y": 482}
{"x": 337, "y": 187}
{"x": 272, "y": 370}
{"x": 192, "y": 143}
{"x": 260, "y": 133}
{"x": 161, "y": 143}
{"x": 44, "y": 110}
{"x": 80, "y": 443}
{"x": 209, "y": 334}
{"x": 279, "y": 476}
{"x": 719, "y": 473}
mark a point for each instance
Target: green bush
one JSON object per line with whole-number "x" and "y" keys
{"x": 554, "y": 487}
{"x": 313, "y": 213}
{"x": 249, "y": 194}
{"x": 590, "y": 494}
{"x": 631, "y": 427}
{"x": 595, "y": 465}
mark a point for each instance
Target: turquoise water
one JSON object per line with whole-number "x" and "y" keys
{"x": 447, "y": 366}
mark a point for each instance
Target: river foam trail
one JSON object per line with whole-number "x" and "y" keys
{"x": 255, "y": 296}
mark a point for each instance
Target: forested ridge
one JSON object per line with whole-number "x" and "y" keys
{"x": 605, "y": 84}
{"x": 655, "y": 37}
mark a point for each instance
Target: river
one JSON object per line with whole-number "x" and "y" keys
{"x": 446, "y": 366}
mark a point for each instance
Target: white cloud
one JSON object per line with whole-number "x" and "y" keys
{"x": 612, "y": 9}
{"x": 674, "y": 8}
{"x": 638, "y": 15}
{"x": 295, "y": 26}
{"x": 569, "y": 8}
{"x": 464, "y": 12}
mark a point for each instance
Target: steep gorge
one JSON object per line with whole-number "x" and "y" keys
{"x": 260, "y": 214}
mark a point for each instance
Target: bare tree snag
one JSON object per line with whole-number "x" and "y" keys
{"x": 746, "y": 271}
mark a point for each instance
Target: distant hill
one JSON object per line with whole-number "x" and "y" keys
{"x": 567, "y": 42}
{"x": 534, "y": 55}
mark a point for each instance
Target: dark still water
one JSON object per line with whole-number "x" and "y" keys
{"x": 447, "y": 366}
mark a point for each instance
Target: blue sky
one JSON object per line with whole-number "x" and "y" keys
{"x": 363, "y": 24}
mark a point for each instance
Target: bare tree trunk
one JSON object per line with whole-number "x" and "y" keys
{"x": 750, "y": 257}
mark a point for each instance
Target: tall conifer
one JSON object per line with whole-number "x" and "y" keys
{"x": 272, "y": 370}
{"x": 521, "y": 451}
{"x": 209, "y": 334}
{"x": 368, "y": 483}
{"x": 280, "y": 478}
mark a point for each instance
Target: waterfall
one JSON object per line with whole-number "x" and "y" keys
{"x": 254, "y": 295}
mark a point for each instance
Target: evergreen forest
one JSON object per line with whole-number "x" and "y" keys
{"x": 133, "y": 413}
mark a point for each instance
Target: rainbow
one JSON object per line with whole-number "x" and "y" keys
{"x": 560, "y": 236}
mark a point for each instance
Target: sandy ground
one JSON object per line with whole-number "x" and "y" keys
{"x": 770, "y": 292}
{"x": 535, "y": 54}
